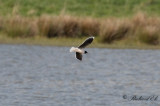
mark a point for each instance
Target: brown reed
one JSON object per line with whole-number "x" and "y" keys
{"x": 141, "y": 26}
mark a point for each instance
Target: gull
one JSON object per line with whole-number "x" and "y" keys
{"x": 80, "y": 49}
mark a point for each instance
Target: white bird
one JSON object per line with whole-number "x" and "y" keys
{"x": 79, "y": 50}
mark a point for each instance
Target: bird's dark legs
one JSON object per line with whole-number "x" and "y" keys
{"x": 85, "y": 52}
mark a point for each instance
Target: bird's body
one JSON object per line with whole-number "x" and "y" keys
{"x": 75, "y": 49}
{"x": 79, "y": 50}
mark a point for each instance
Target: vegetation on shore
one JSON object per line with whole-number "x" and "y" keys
{"x": 139, "y": 28}
{"x": 112, "y": 22}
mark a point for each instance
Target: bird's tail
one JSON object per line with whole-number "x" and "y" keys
{"x": 72, "y": 49}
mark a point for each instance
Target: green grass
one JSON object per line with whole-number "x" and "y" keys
{"x": 94, "y": 8}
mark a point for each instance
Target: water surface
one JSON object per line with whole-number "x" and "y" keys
{"x": 51, "y": 76}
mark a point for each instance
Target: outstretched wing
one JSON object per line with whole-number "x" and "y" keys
{"x": 86, "y": 42}
{"x": 79, "y": 56}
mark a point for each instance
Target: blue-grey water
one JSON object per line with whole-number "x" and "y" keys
{"x": 51, "y": 76}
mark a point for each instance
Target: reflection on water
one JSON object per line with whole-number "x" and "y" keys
{"x": 51, "y": 76}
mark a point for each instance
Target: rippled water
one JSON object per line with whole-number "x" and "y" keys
{"x": 51, "y": 76}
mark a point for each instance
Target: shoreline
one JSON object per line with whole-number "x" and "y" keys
{"x": 69, "y": 42}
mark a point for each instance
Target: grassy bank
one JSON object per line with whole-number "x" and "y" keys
{"x": 114, "y": 23}
{"x": 94, "y": 8}
{"x": 139, "y": 28}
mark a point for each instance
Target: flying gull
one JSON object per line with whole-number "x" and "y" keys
{"x": 80, "y": 49}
